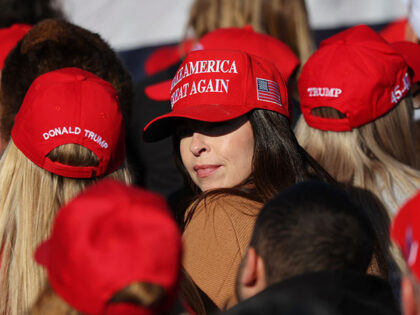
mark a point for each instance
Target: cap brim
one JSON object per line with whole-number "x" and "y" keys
{"x": 160, "y": 91}
{"x": 163, "y": 126}
{"x": 42, "y": 253}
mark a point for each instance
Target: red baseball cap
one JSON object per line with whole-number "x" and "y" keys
{"x": 220, "y": 85}
{"x": 355, "y": 72}
{"x": 405, "y": 231}
{"x": 71, "y": 105}
{"x": 107, "y": 238}
{"x": 411, "y": 53}
{"x": 243, "y": 39}
{"x": 9, "y": 36}
{"x": 166, "y": 56}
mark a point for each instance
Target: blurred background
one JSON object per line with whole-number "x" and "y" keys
{"x": 135, "y": 28}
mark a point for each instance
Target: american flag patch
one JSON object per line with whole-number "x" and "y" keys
{"x": 268, "y": 91}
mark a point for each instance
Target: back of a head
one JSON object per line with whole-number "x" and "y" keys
{"x": 51, "y": 45}
{"x": 311, "y": 227}
{"x": 131, "y": 247}
{"x": 358, "y": 126}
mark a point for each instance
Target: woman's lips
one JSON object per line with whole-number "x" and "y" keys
{"x": 205, "y": 170}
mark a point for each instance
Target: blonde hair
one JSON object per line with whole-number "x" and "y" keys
{"x": 29, "y": 199}
{"x": 380, "y": 153}
{"x": 284, "y": 19}
{"x": 49, "y": 303}
{"x": 141, "y": 294}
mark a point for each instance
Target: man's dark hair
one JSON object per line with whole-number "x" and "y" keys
{"x": 312, "y": 226}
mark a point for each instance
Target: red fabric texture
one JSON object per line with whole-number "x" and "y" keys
{"x": 395, "y": 31}
{"x": 160, "y": 91}
{"x": 411, "y": 53}
{"x": 9, "y": 37}
{"x": 405, "y": 231}
{"x": 111, "y": 236}
{"x": 219, "y": 85}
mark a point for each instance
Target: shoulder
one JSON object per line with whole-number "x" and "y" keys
{"x": 223, "y": 214}
{"x": 228, "y": 204}
{"x": 215, "y": 240}
{"x": 223, "y": 218}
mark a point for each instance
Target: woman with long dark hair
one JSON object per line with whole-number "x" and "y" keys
{"x": 230, "y": 119}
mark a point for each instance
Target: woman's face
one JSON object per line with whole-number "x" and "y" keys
{"x": 217, "y": 155}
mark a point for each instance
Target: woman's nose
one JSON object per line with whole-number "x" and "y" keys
{"x": 199, "y": 144}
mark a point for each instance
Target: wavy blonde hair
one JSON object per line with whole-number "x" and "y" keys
{"x": 29, "y": 199}
{"x": 378, "y": 156}
{"x": 286, "y": 20}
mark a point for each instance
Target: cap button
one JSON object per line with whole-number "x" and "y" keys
{"x": 80, "y": 77}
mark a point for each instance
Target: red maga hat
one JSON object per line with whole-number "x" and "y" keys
{"x": 405, "y": 231}
{"x": 71, "y": 105}
{"x": 355, "y": 72}
{"x": 107, "y": 238}
{"x": 243, "y": 39}
{"x": 219, "y": 85}
{"x": 411, "y": 53}
{"x": 9, "y": 36}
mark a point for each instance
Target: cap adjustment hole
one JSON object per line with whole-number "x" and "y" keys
{"x": 327, "y": 112}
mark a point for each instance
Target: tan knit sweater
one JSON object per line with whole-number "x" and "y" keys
{"x": 215, "y": 240}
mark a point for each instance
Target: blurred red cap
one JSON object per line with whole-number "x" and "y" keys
{"x": 411, "y": 53}
{"x": 405, "y": 231}
{"x": 244, "y": 39}
{"x": 107, "y": 238}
